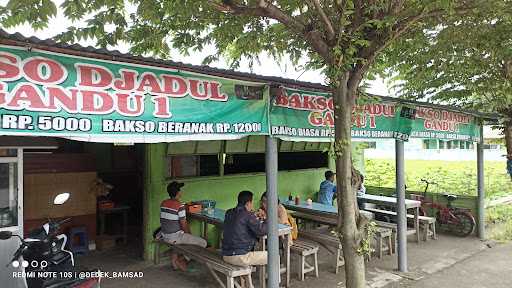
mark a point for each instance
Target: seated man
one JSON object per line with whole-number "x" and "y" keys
{"x": 327, "y": 189}
{"x": 241, "y": 232}
{"x": 174, "y": 224}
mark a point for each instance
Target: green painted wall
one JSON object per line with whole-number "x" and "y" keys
{"x": 223, "y": 190}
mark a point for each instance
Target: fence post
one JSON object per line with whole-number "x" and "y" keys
{"x": 273, "y": 230}
{"x": 480, "y": 184}
{"x": 401, "y": 212}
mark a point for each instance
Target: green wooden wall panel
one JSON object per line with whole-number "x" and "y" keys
{"x": 299, "y": 146}
{"x": 209, "y": 147}
{"x": 286, "y": 146}
{"x": 237, "y": 146}
{"x": 178, "y": 148}
{"x": 256, "y": 144}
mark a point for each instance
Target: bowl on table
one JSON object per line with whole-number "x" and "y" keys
{"x": 207, "y": 205}
{"x": 194, "y": 208}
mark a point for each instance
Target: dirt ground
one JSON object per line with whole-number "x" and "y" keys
{"x": 436, "y": 263}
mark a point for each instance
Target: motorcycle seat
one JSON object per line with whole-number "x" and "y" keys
{"x": 450, "y": 197}
{"x": 59, "y": 258}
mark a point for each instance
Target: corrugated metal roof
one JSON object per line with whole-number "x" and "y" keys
{"x": 115, "y": 55}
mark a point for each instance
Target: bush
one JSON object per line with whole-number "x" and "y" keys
{"x": 499, "y": 220}
{"x": 454, "y": 177}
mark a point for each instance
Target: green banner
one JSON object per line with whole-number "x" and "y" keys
{"x": 435, "y": 123}
{"x": 308, "y": 115}
{"x": 50, "y": 94}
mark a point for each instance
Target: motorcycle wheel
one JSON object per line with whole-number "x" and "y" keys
{"x": 464, "y": 224}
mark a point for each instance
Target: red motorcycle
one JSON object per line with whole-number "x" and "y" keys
{"x": 458, "y": 221}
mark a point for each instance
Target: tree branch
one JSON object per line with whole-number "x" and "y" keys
{"x": 395, "y": 7}
{"x": 231, "y": 8}
{"x": 380, "y": 42}
{"x": 328, "y": 25}
{"x": 268, "y": 10}
{"x": 358, "y": 17}
{"x": 315, "y": 38}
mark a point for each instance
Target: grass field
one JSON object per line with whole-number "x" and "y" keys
{"x": 499, "y": 222}
{"x": 452, "y": 177}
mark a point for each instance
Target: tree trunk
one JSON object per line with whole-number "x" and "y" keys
{"x": 347, "y": 210}
{"x": 508, "y": 137}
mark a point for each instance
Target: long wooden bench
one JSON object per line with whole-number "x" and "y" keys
{"x": 426, "y": 223}
{"x": 234, "y": 275}
{"x": 329, "y": 242}
{"x": 305, "y": 250}
{"x": 331, "y": 221}
{"x": 324, "y": 219}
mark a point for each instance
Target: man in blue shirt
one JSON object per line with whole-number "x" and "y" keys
{"x": 327, "y": 189}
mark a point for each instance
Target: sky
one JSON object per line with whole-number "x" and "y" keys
{"x": 267, "y": 65}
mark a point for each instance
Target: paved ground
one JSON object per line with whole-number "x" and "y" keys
{"x": 429, "y": 264}
{"x": 491, "y": 268}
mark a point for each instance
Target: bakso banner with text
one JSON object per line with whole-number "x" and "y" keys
{"x": 435, "y": 123}
{"x": 300, "y": 115}
{"x": 51, "y": 94}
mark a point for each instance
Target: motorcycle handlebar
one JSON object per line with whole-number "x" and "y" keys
{"x": 63, "y": 221}
{"x": 56, "y": 225}
{"x": 428, "y": 182}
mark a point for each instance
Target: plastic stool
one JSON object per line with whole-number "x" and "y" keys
{"x": 78, "y": 240}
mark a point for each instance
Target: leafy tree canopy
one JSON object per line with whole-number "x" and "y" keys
{"x": 466, "y": 61}
{"x": 332, "y": 33}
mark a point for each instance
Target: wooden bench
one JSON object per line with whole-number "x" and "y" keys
{"x": 330, "y": 242}
{"x": 393, "y": 227}
{"x": 331, "y": 221}
{"x": 324, "y": 219}
{"x": 426, "y": 222}
{"x": 305, "y": 250}
{"x": 213, "y": 262}
{"x": 384, "y": 236}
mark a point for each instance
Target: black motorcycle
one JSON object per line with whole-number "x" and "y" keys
{"x": 44, "y": 261}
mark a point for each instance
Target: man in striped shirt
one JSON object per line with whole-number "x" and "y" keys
{"x": 174, "y": 224}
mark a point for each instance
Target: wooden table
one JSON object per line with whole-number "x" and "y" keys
{"x": 322, "y": 213}
{"x": 217, "y": 219}
{"x": 392, "y": 202}
{"x": 121, "y": 209}
{"x": 317, "y": 212}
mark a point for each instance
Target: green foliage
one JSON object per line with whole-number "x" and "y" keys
{"x": 499, "y": 214}
{"x": 499, "y": 218}
{"x": 455, "y": 177}
{"x": 379, "y": 173}
{"x": 34, "y": 12}
{"x": 365, "y": 247}
{"x": 465, "y": 62}
{"x": 353, "y": 31}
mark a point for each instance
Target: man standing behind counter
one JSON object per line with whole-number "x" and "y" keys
{"x": 327, "y": 189}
